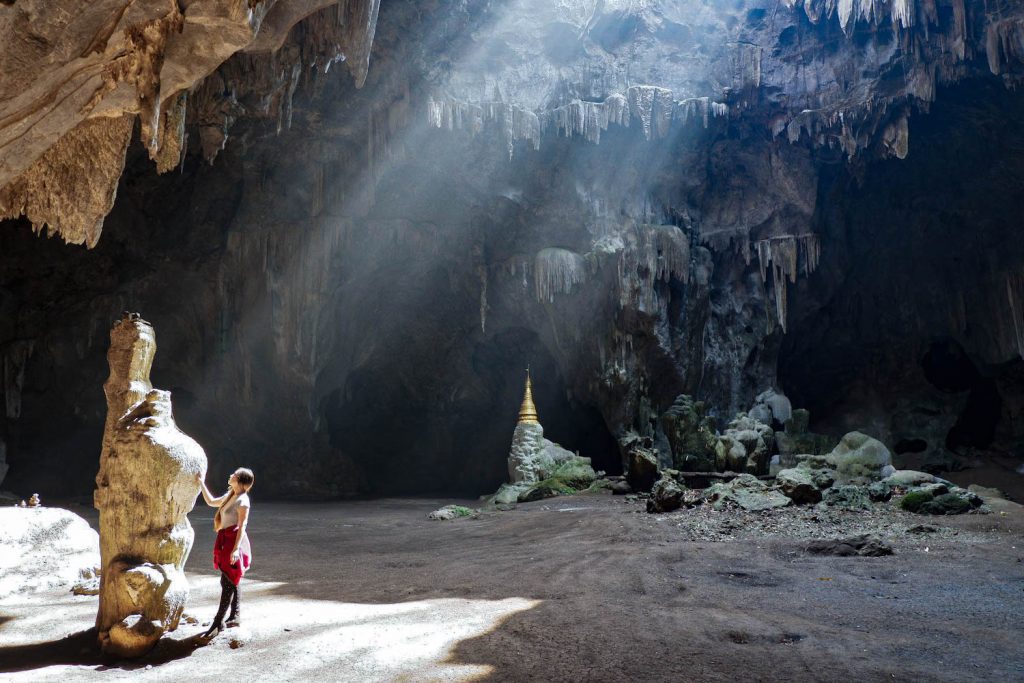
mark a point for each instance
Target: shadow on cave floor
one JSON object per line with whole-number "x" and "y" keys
{"x": 80, "y": 650}
{"x": 583, "y": 588}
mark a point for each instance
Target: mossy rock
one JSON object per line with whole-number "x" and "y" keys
{"x": 449, "y": 512}
{"x": 946, "y": 504}
{"x": 575, "y": 473}
{"x": 848, "y": 497}
{"x": 913, "y": 501}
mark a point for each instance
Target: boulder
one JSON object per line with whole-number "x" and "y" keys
{"x": 745, "y": 446}
{"x": 799, "y": 485}
{"x": 691, "y": 435}
{"x": 450, "y": 512}
{"x": 508, "y": 494}
{"x": 642, "y": 468}
{"x": 44, "y": 548}
{"x": 847, "y": 497}
{"x": 938, "y": 499}
{"x": 859, "y": 459}
{"x": 879, "y": 491}
{"x": 666, "y": 495}
{"x": 864, "y": 545}
{"x": 574, "y": 472}
{"x": 911, "y": 478}
{"x": 745, "y": 491}
{"x": 772, "y": 408}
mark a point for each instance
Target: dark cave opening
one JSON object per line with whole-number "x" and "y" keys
{"x": 947, "y": 367}
{"x": 910, "y": 446}
{"x": 906, "y": 327}
{"x": 454, "y": 439}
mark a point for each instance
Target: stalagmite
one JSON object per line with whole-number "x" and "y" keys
{"x": 145, "y": 488}
{"x": 556, "y": 271}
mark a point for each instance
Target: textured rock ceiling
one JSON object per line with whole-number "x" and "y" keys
{"x": 71, "y": 72}
{"x": 839, "y": 73}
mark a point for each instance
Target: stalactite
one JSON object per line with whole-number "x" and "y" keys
{"x": 786, "y": 256}
{"x": 556, "y": 271}
{"x": 654, "y": 108}
{"x": 651, "y": 253}
{"x": 514, "y": 123}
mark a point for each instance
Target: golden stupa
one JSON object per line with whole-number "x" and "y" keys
{"x": 528, "y": 411}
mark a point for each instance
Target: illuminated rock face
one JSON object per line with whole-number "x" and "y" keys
{"x": 145, "y": 489}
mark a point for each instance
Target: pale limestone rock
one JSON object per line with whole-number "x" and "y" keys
{"x": 533, "y": 458}
{"x": 145, "y": 488}
{"x": 44, "y": 549}
{"x": 745, "y": 446}
{"x": 859, "y": 459}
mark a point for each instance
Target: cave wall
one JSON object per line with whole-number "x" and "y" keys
{"x": 635, "y": 199}
{"x": 910, "y": 325}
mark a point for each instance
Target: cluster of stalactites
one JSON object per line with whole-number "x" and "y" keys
{"x": 652, "y": 254}
{"x": 786, "y": 256}
{"x": 651, "y": 108}
{"x": 849, "y": 12}
{"x": 557, "y": 271}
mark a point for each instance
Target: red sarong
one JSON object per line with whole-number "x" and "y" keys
{"x": 222, "y": 548}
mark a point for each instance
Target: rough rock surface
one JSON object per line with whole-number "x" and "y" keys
{"x": 145, "y": 488}
{"x": 44, "y": 548}
{"x": 745, "y": 446}
{"x": 72, "y": 76}
{"x": 533, "y": 458}
{"x": 641, "y": 464}
{"x": 859, "y": 459}
{"x": 667, "y": 494}
{"x": 691, "y": 435}
{"x": 798, "y": 484}
{"x": 865, "y": 545}
{"x": 746, "y": 492}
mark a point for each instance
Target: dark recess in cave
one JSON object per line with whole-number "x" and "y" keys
{"x": 459, "y": 445}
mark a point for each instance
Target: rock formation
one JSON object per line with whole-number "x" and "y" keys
{"x": 73, "y": 77}
{"x": 44, "y": 548}
{"x": 145, "y": 489}
{"x": 539, "y": 468}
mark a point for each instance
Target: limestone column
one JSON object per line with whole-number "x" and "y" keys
{"x": 145, "y": 489}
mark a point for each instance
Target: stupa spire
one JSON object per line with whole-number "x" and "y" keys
{"x": 528, "y": 411}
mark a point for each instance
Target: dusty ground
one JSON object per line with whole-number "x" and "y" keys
{"x": 575, "y": 589}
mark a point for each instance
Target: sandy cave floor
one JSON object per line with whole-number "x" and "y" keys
{"x": 587, "y": 588}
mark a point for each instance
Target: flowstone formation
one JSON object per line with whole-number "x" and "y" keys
{"x": 539, "y": 468}
{"x": 145, "y": 489}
